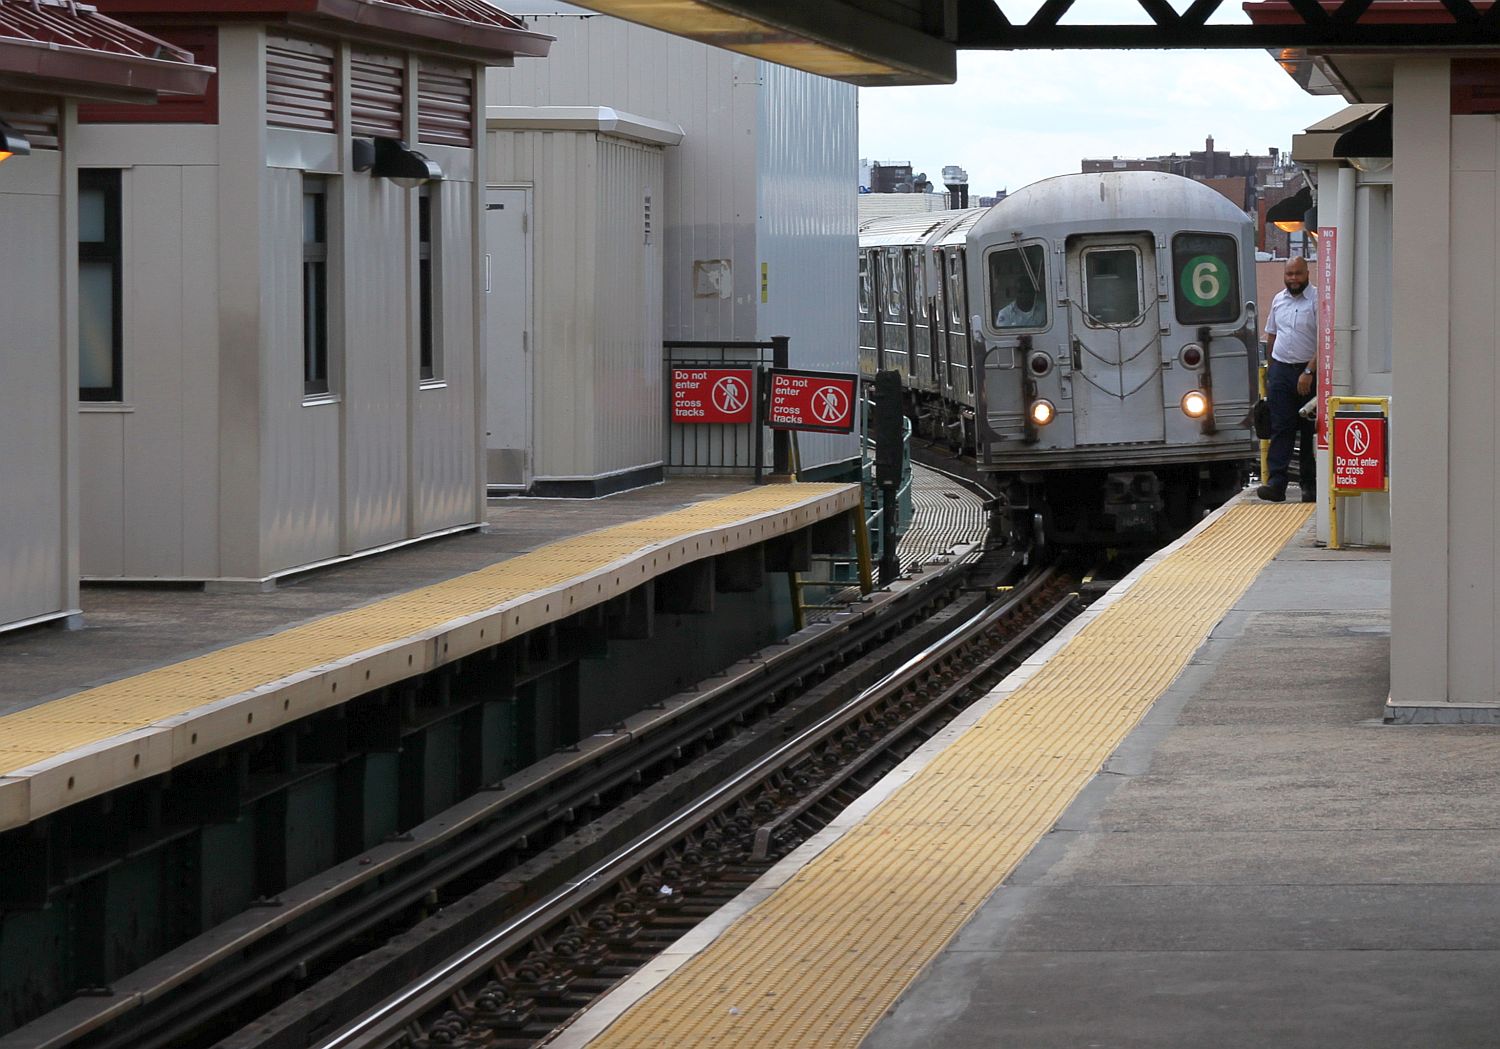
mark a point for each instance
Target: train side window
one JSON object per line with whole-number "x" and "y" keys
{"x": 1112, "y": 285}
{"x": 955, "y": 290}
{"x": 1205, "y": 278}
{"x": 864, "y": 283}
{"x": 897, "y": 282}
{"x": 1018, "y": 287}
{"x": 918, "y": 284}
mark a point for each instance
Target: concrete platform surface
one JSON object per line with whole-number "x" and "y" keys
{"x": 1264, "y": 862}
{"x": 132, "y": 628}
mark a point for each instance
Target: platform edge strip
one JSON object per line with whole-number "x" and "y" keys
{"x": 819, "y": 960}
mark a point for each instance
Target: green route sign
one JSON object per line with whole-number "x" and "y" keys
{"x": 1205, "y": 280}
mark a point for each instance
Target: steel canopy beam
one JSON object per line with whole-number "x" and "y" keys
{"x": 888, "y": 42}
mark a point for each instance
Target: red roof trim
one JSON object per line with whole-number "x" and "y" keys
{"x": 1381, "y": 12}
{"x": 72, "y": 49}
{"x": 485, "y": 32}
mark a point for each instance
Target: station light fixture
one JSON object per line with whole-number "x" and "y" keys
{"x": 12, "y": 143}
{"x": 1292, "y": 214}
{"x": 393, "y": 159}
{"x": 1195, "y": 404}
{"x": 1368, "y": 146}
{"x": 1042, "y": 411}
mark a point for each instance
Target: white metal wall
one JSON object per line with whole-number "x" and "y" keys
{"x": 808, "y": 138}
{"x": 36, "y": 569}
{"x": 766, "y": 172}
{"x": 149, "y": 465}
{"x": 215, "y": 464}
{"x": 596, "y": 305}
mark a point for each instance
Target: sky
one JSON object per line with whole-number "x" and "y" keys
{"x": 1015, "y": 117}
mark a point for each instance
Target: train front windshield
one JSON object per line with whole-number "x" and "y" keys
{"x": 1018, "y": 287}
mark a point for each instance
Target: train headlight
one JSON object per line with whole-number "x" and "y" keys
{"x": 1195, "y": 404}
{"x": 1042, "y": 412}
{"x": 1191, "y": 356}
{"x": 1039, "y": 363}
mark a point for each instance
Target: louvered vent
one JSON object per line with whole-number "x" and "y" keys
{"x": 445, "y": 106}
{"x": 377, "y": 94}
{"x": 299, "y": 85}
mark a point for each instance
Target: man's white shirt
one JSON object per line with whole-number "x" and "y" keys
{"x": 1012, "y": 316}
{"x": 1293, "y": 319}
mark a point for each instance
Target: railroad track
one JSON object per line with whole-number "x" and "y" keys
{"x": 547, "y": 961}
{"x": 374, "y": 912}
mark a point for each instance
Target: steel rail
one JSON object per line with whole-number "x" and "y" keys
{"x": 383, "y": 1022}
{"x": 470, "y": 835}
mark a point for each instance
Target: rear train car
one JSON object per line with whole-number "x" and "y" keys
{"x": 1116, "y": 345}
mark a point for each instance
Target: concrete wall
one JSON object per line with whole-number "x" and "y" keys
{"x": 38, "y": 567}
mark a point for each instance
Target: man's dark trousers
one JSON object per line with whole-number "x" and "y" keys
{"x": 1288, "y": 426}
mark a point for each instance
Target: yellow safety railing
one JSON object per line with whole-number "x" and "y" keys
{"x": 1334, "y": 491}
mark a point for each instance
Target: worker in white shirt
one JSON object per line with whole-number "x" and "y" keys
{"x": 1291, "y": 345}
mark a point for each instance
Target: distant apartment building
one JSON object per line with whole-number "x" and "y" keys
{"x": 1250, "y": 181}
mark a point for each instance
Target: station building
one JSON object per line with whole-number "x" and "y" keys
{"x": 289, "y": 371}
{"x": 646, "y": 157}
{"x": 53, "y": 56}
{"x": 1411, "y": 182}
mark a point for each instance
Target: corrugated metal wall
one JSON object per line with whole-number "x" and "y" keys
{"x": 149, "y": 468}
{"x": 757, "y": 137}
{"x": 33, "y": 420}
{"x": 627, "y": 347}
{"x": 808, "y": 139}
{"x": 444, "y": 463}
{"x": 596, "y": 350}
{"x": 300, "y": 453}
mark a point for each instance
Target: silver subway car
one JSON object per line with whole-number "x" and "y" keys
{"x": 1090, "y": 340}
{"x": 1115, "y": 335}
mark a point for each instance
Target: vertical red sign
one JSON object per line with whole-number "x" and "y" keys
{"x": 712, "y": 395}
{"x": 1359, "y": 453}
{"x": 1328, "y": 243}
{"x": 812, "y": 401}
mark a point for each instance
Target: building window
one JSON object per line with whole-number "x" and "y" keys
{"x": 100, "y": 266}
{"x": 429, "y": 292}
{"x": 314, "y": 286}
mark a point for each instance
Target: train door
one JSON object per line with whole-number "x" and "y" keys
{"x": 916, "y": 337}
{"x": 1113, "y": 325}
{"x": 869, "y": 353}
{"x": 895, "y": 346}
{"x": 877, "y": 307}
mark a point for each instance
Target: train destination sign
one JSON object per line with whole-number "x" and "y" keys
{"x": 712, "y": 395}
{"x": 812, "y": 401}
{"x": 1359, "y": 453}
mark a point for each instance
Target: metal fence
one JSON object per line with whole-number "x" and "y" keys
{"x": 721, "y": 449}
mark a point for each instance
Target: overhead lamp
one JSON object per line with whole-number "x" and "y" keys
{"x": 393, "y": 159}
{"x": 1291, "y": 214}
{"x": 1368, "y": 146}
{"x": 12, "y": 143}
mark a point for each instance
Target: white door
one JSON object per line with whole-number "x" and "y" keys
{"x": 507, "y": 288}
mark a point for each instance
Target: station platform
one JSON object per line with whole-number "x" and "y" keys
{"x": 159, "y": 677}
{"x": 1184, "y": 823}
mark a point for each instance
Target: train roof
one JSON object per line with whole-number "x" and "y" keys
{"x": 920, "y": 228}
{"x": 1114, "y": 197}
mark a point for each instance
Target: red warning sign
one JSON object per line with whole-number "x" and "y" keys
{"x": 812, "y": 401}
{"x": 1359, "y": 453}
{"x": 712, "y": 395}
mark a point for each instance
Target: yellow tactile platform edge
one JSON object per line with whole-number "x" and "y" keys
{"x": 821, "y": 959}
{"x": 71, "y": 748}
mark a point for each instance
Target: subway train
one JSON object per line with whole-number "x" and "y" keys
{"x": 1089, "y": 342}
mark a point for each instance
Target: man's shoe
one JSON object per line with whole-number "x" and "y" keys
{"x": 1309, "y": 496}
{"x": 1271, "y": 495}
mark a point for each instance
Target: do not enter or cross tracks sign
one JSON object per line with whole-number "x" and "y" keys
{"x": 712, "y": 395}
{"x": 802, "y": 400}
{"x": 1360, "y": 459}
